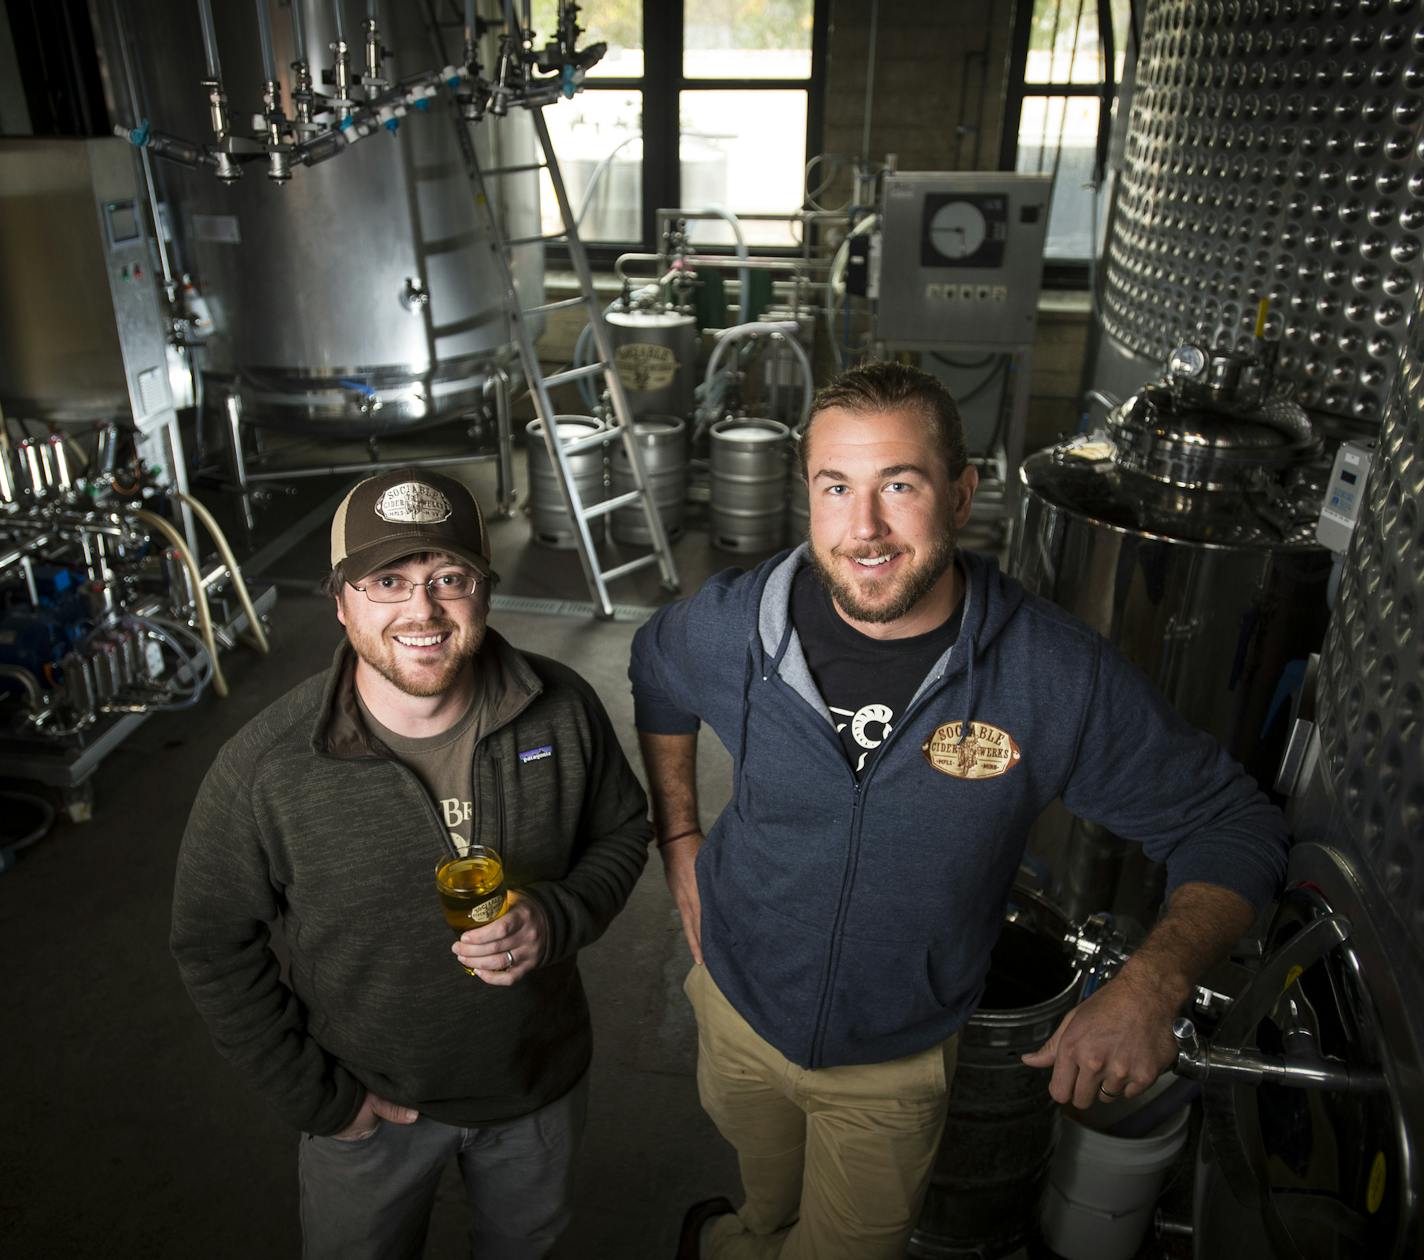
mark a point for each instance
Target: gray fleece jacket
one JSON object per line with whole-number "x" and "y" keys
{"x": 851, "y": 921}
{"x": 306, "y": 820}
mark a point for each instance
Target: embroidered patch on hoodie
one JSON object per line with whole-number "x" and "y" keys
{"x": 536, "y": 754}
{"x": 985, "y": 753}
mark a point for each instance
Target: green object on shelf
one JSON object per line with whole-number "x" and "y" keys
{"x": 759, "y": 294}
{"x": 710, "y": 302}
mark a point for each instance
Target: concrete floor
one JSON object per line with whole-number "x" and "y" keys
{"x": 125, "y": 1135}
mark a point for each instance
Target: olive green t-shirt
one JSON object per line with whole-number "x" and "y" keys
{"x": 443, "y": 763}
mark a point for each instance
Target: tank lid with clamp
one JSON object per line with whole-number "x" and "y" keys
{"x": 1184, "y": 444}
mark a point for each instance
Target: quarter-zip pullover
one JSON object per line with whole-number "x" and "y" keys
{"x": 852, "y": 922}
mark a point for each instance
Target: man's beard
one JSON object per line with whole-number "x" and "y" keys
{"x": 894, "y": 598}
{"x": 410, "y": 677}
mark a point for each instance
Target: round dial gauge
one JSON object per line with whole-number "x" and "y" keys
{"x": 1187, "y": 361}
{"x": 957, "y": 229}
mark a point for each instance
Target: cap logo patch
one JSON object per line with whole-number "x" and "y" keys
{"x": 986, "y": 753}
{"x": 413, "y": 503}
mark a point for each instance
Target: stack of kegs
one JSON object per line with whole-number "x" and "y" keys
{"x": 662, "y": 443}
{"x": 549, "y": 518}
{"x": 748, "y": 500}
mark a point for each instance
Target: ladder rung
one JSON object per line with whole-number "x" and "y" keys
{"x": 531, "y": 240}
{"x": 515, "y": 170}
{"x": 573, "y": 374}
{"x": 642, "y": 562}
{"x": 612, "y": 505}
{"x": 584, "y": 443}
{"x": 563, "y": 304}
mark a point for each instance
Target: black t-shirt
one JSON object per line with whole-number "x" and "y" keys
{"x": 865, "y": 682}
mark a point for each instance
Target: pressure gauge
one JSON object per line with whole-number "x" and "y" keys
{"x": 957, "y": 229}
{"x": 964, "y": 230}
{"x": 1187, "y": 363}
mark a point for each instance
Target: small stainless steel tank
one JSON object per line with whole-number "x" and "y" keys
{"x": 1186, "y": 539}
{"x": 655, "y": 353}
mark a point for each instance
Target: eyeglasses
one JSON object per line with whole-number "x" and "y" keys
{"x": 389, "y": 589}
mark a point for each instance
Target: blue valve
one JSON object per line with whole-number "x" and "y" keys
{"x": 391, "y": 124}
{"x": 347, "y": 123}
{"x": 423, "y": 104}
{"x": 568, "y": 86}
{"x": 138, "y": 137}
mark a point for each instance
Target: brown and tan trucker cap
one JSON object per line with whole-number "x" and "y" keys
{"x": 402, "y": 512}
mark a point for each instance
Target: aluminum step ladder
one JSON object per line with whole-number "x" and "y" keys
{"x": 621, "y": 425}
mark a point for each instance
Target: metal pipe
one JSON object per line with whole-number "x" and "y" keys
{"x": 210, "y": 39}
{"x": 367, "y": 466}
{"x": 16, "y": 554}
{"x": 27, "y": 567}
{"x": 264, "y": 39}
{"x": 1250, "y": 1067}
{"x": 145, "y": 159}
{"x": 869, "y": 82}
{"x": 299, "y": 32}
{"x": 339, "y": 20}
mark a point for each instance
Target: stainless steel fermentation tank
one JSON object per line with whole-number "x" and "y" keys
{"x": 1272, "y": 151}
{"x": 1187, "y": 541}
{"x": 361, "y": 297}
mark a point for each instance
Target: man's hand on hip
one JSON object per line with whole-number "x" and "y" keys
{"x": 374, "y": 1109}
{"x": 505, "y": 951}
{"x": 680, "y": 871}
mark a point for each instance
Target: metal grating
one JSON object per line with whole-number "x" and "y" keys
{"x": 1274, "y": 151}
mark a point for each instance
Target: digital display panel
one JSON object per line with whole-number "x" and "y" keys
{"x": 123, "y": 222}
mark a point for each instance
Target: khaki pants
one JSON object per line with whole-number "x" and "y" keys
{"x": 834, "y": 1162}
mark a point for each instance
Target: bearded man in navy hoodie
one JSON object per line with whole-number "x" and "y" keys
{"x": 898, "y": 712}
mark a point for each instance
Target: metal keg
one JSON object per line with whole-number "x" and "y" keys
{"x": 655, "y": 353}
{"x": 548, "y": 516}
{"x": 798, "y": 497}
{"x": 781, "y": 369}
{"x": 662, "y": 442}
{"x": 1002, "y": 1126}
{"x": 748, "y": 502}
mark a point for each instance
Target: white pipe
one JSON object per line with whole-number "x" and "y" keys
{"x": 239, "y": 585}
{"x": 200, "y": 598}
{"x": 786, "y": 330}
{"x": 743, "y": 275}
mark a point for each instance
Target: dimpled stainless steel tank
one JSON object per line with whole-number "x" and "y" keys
{"x": 1273, "y": 151}
{"x": 361, "y": 297}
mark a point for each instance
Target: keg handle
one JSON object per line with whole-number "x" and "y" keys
{"x": 1203, "y": 1061}
{"x": 1101, "y": 949}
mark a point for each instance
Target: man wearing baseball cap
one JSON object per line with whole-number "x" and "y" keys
{"x": 389, "y": 1047}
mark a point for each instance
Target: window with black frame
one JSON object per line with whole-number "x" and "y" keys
{"x": 1068, "y": 57}
{"x": 704, "y": 103}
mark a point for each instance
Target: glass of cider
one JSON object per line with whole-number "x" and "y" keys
{"x": 471, "y": 889}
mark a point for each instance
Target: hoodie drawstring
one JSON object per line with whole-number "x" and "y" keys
{"x": 968, "y": 694}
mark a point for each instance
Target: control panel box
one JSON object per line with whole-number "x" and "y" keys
{"x": 961, "y": 257}
{"x": 83, "y": 334}
{"x": 1344, "y": 495}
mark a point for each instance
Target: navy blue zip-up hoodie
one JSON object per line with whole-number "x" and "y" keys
{"x": 852, "y": 923}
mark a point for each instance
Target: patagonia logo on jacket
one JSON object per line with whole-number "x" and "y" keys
{"x": 536, "y": 754}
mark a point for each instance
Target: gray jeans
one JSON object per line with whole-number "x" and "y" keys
{"x": 371, "y": 1199}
